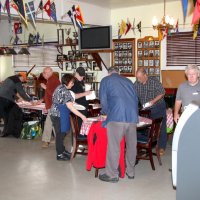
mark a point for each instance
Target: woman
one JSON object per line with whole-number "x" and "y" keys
{"x": 60, "y": 111}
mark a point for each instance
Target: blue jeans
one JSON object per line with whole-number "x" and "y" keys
{"x": 156, "y": 112}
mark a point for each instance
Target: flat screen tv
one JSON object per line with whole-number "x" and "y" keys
{"x": 95, "y": 38}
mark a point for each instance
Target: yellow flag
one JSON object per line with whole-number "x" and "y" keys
{"x": 196, "y": 26}
{"x": 160, "y": 35}
{"x": 122, "y": 29}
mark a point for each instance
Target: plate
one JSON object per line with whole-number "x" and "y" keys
{"x": 141, "y": 124}
{"x": 78, "y": 106}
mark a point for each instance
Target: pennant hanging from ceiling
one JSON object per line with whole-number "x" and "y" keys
{"x": 119, "y": 36}
{"x": 176, "y": 28}
{"x": 139, "y": 27}
{"x": 40, "y": 8}
{"x": 53, "y": 11}
{"x": 79, "y": 16}
{"x": 21, "y": 9}
{"x": 71, "y": 17}
{"x": 122, "y": 28}
{"x": 196, "y": 14}
{"x": 78, "y": 23}
{"x": 128, "y": 26}
{"x": 7, "y": 8}
{"x": 185, "y": 4}
{"x": 30, "y": 10}
{"x": 195, "y": 29}
{"x": 133, "y": 27}
{"x": 47, "y": 8}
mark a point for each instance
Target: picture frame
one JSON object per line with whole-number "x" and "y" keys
{"x": 140, "y": 63}
{"x": 146, "y": 63}
{"x": 157, "y": 44}
{"x": 157, "y": 63}
{"x": 116, "y": 46}
{"x": 151, "y": 53}
{"x": 151, "y": 44}
{"x": 146, "y": 44}
{"x": 157, "y": 53}
{"x": 151, "y": 71}
{"x": 60, "y": 36}
{"x": 157, "y": 71}
{"x": 140, "y": 45}
{"x": 124, "y": 45}
{"x": 146, "y": 53}
{"x": 129, "y": 45}
{"x": 140, "y": 54}
{"x": 151, "y": 63}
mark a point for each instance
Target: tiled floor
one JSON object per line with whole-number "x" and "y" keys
{"x": 28, "y": 172}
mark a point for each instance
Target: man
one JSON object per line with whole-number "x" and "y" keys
{"x": 52, "y": 83}
{"x": 188, "y": 91}
{"x": 151, "y": 95}
{"x": 10, "y": 89}
{"x": 119, "y": 101}
{"x": 80, "y": 93}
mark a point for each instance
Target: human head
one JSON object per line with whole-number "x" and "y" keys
{"x": 47, "y": 72}
{"x": 80, "y": 73}
{"x": 22, "y": 77}
{"x": 141, "y": 75}
{"x": 113, "y": 69}
{"x": 192, "y": 72}
{"x": 68, "y": 80}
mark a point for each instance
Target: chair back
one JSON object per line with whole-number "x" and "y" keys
{"x": 93, "y": 112}
{"x": 155, "y": 129}
{"x": 74, "y": 125}
{"x": 145, "y": 113}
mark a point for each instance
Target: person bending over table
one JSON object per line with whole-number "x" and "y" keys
{"x": 151, "y": 95}
{"x": 10, "y": 90}
{"x": 62, "y": 105}
{"x": 188, "y": 91}
{"x": 119, "y": 101}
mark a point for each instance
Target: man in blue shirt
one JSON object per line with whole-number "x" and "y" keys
{"x": 120, "y": 103}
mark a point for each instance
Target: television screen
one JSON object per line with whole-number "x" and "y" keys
{"x": 95, "y": 38}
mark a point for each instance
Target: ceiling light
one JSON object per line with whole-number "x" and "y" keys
{"x": 24, "y": 51}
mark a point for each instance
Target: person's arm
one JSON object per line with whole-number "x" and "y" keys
{"x": 21, "y": 92}
{"x": 103, "y": 97}
{"x": 177, "y": 108}
{"x": 76, "y": 112}
{"x": 83, "y": 94}
{"x": 156, "y": 99}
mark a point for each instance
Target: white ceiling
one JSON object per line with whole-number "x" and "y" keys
{"x": 114, "y": 4}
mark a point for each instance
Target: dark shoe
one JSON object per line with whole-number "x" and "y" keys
{"x": 105, "y": 177}
{"x": 130, "y": 177}
{"x": 67, "y": 153}
{"x": 62, "y": 157}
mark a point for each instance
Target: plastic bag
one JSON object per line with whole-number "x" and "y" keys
{"x": 31, "y": 130}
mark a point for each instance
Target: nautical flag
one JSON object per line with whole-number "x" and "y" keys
{"x": 79, "y": 16}
{"x": 78, "y": 23}
{"x": 47, "y": 8}
{"x": 40, "y": 8}
{"x": 7, "y": 8}
{"x": 71, "y": 17}
{"x": 195, "y": 31}
{"x": 139, "y": 26}
{"x": 30, "y": 10}
{"x": 122, "y": 28}
{"x": 133, "y": 27}
{"x": 185, "y": 4}
{"x": 128, "y": 26}
{"x": 21, "y": 9}
{"x": 176, "y": 28}
{"x": 196, "y": 15}
{"x": 53, "y": 11}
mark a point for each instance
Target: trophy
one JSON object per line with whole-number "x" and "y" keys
{"x": 68, "y": 40}
{"x": 75, "y": 40}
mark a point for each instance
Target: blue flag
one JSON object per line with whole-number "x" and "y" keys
{"x": 53, "y": 11}
{"x": 30, "y": 11}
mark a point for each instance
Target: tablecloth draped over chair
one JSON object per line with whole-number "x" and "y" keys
{"x": 97, "y": 148}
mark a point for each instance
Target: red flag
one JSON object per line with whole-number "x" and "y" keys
{"x": 128, "y": 26}
{"x": 47, "y": 8}
{"x": 79, "y": 16}
{"x": 16, "y": 27}
{"x": 196, "y": 14}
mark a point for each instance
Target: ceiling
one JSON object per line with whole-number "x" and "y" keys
{"x": 115, "y": 4}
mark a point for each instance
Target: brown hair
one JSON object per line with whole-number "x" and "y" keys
{"x": 67, "y": 78}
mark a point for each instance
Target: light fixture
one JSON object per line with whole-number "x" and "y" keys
{"x": 24, "y": 51}
{"x": 167, "y": 22}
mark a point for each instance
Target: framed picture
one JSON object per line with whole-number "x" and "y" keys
{"x": 147, "y": 71}
{"x": 151, "y": 63}
{"x": 157, "y": 44}
{"x": 157, "y": 71}
{"x": 146, "y": 53}
{"x": 157, "y": 53}
{"x": 145, "y": 44}
{"x": 139, "y": 45}
{"x": 151, "y": 44}
{"x": 116, "y": 47}
{"x": 146, "y": 63}
{"x": 125, "y": 53}
{"x": 157, "y": 63}
{"x": 140, "y": 63}
{"x": 120, "y": 46}
{"x": 140, "y": 54}
{"x": 124, "y": 45}
{"x": 129, "y": 46}
{"x": 151, "y": 53}
{"x": 60, "y": 35}
{"x": 130, "y": 61}
{"x": 129, "y": 53}
{"x": 151, "y": 71}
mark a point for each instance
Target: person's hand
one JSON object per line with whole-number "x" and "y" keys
{"x": 88, "y": 92}
{"x": 84, "y": 118}
{"x": 176, "y": 118}
{"x": 39, "y": 102}
{"x": 43, "y": 86}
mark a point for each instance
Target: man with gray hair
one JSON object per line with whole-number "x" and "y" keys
{"x": 188, "y": 91}
{"x": 119, "y": 102}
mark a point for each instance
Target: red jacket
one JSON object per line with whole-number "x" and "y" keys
{"x": 52, "y": 84}
{"x": 97, "y": 148}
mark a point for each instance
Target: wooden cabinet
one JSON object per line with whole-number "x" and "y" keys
{"x": 124, "y": 56}
{"x": 148, "y": 55}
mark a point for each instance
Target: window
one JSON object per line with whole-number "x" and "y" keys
{"x": 41, "y": 56}
{"x": 182, "y": 49}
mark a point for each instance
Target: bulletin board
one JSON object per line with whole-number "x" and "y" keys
{"x": 172, "y": 78}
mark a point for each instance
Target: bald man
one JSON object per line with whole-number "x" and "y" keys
{"x": 52, "y": 83}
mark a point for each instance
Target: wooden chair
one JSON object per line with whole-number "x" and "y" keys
{"x": 93, "y": 112}
{"x": 77, "y": 140}
{"x": 145, "y": 113}
{"x": 148, "y": 140}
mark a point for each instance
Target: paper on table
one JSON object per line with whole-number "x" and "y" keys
{"x": 91, "y": 96}
{"x": 88, "y": 87}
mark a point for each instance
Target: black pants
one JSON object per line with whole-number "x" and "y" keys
{"x": 12, "y": 116}
{"x": 60, "y": 148}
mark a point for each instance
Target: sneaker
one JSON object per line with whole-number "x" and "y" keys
{"x": 45, "y": 144}
{"x": 67, "y": 153}
{"x": 62, "y": 157}
{"x": 106, "y": 178}
{"x": 130, "y": 177}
